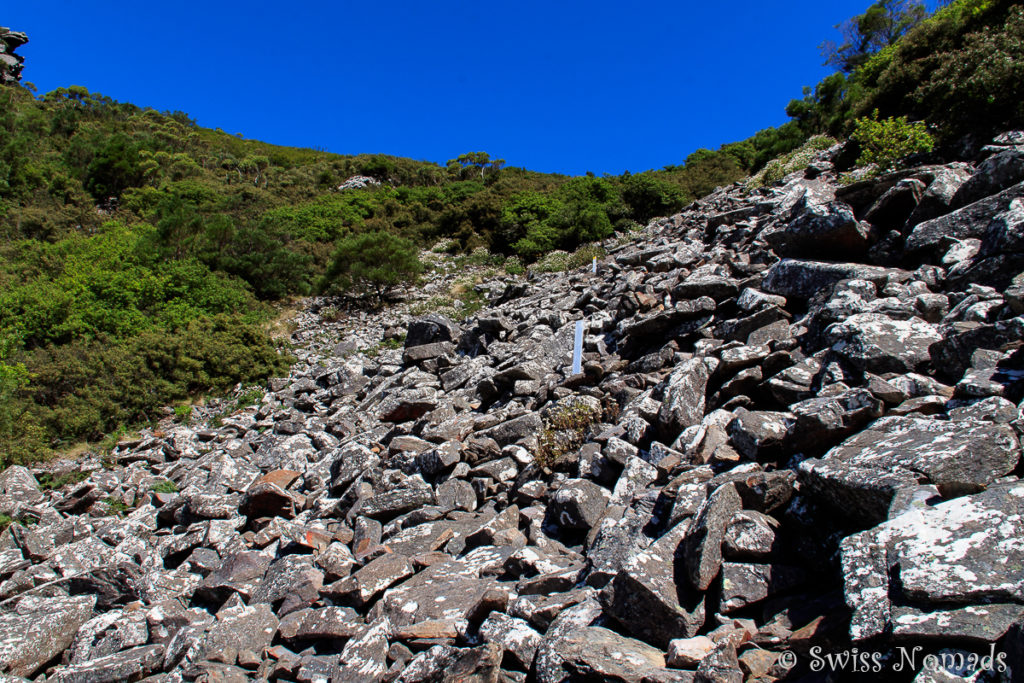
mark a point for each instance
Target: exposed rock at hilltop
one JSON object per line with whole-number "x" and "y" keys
{"x": 10, "y": 63}
{"x": 798, "y": 425}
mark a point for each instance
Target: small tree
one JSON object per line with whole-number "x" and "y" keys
{"x": 865, "y": 34}
{"x": 373, "y": 263}
{"x": 884, "y": 142}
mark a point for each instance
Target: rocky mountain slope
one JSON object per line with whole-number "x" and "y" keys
{"x": 793, "y": 453}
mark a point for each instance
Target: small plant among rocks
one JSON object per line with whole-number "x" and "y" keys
{"x": 885, "y": 142}
{"x": 165, "y": 486}
{"x": 331, "y": 314}
{"x": 797, "y": 160}
{"x": 51, "y": 482}
{"x": 116, "y": 505}
{"x": 565, "y": 430}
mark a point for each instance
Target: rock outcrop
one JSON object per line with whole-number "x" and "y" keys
{"x": 10, "y": 63}
{"x": 797, "y": 431}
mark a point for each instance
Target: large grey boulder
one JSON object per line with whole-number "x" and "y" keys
{"x": 39, "y": 629}
{"x": 961, "y": 554}
{"x": 683, "y": 402}
{"x": 820, "y": 229}
{"x": 874, "y": 342}
{"x": 430, "y": 329}
{"x": 862, "y": 475}
{"x": 803, "y": 279}
{"x": 649, "y": 596}
{"x": 995, "y": 173}
{"x": 968, "y": 221}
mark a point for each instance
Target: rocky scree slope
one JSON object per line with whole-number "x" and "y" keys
{"x": 797, "y": 426}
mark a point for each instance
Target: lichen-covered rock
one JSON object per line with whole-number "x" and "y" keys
{"x": 957, "y": 457}
{"x": 969, "y": 221}
{"x": 594, "y": 651}
{"x": 964, "y": 551}
{"x": 128, "y": 665}
{"x": 39, "y": 629}
{"x": 683, "y": 402}
{"x": 702, "y": 545}
{"x": 516, "y": 638}
{"x": 647, "y": 598}
{"x": 578, "y": 505}
{"x": 802, "y": 279}
{"x": 239, "y": 629}
{"x": 876, "y": 343}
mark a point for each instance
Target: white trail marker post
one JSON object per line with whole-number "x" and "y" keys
{"x": 577, "y": 349}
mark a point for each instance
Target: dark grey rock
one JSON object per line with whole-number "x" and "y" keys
{"x": 745, "y": 584}
{"x": 876, "y": 343}
{"x": 759, "y": 434}
{"x": 958, "y": 457}
{"x": 430, "y": 329}
{"x": 969, "y": 221}
{"x": 803, "y": 279}
{"x": 578, "y": 505}
{"x": 239, "y": 629}
{"x": 133, "y": 664}
{"x": 649, "y": 596}
{"x": 683, "y": 402}
{"x": 39, "y": 629}
{"x": 702, "y": 545}
{"x": 964, "y": 551}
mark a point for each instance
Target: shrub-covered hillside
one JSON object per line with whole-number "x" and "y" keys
{"x": 141, "y": 255}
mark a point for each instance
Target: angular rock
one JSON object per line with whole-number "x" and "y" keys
{"x": 38, "y": 629}
{"x": 683, "y": 402}
{"x": 578, "y": 505}
{"x": 958, "y": 457}
{"x": 430, "y": 329}
{"x": 968, "y": 221}
{"x": 876, "y": 343}
{"x": 803, "y": 279}
{"x": 649, "y": 597}
{"x": 516, "y": 638}
{"x": 745, "y": 584}
{"x": 964, "y": 551}
{"x": 702, "y": 545}
{"x": 239, "y": 629}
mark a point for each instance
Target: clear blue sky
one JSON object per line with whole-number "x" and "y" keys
{"x": 557, "y": 86}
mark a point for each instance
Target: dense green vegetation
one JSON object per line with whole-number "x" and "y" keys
{"x": 959, "y": 70}
{"x": 141, "y": 255}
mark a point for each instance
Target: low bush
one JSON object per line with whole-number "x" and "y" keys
{"x": 887, "y": 141}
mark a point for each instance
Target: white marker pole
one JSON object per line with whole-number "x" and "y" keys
{"x": 577, "y": 351}
{"x": 594, "y": 269}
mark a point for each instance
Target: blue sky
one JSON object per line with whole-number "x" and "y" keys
{"x": 565, "y": 87}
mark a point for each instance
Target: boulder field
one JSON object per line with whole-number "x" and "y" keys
{"x": 793, "y": 453}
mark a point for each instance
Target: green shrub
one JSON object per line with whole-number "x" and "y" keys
{"x": 372, "y": 263}
{"x": 165, "y": 486}
{"x": 584, "y": 256}
{"x": 48, "y": 481}
{"x": 565, "y": 429}
{"x": 514, "y": 266}
{"x": 183, "y": 412}
{"x": 885, "y": 142}
{"x": 791, "y": 162}
{"x": 116, "y": 505}
{"x": 553, "y": 262}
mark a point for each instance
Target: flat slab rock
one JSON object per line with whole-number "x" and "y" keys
{"x": 39, "y": 629}
{"x": 596, "y": 653}
{"x": 877, "y": 343}
{"x": 863, "y": 473}
{"x": 961, "y": 553}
